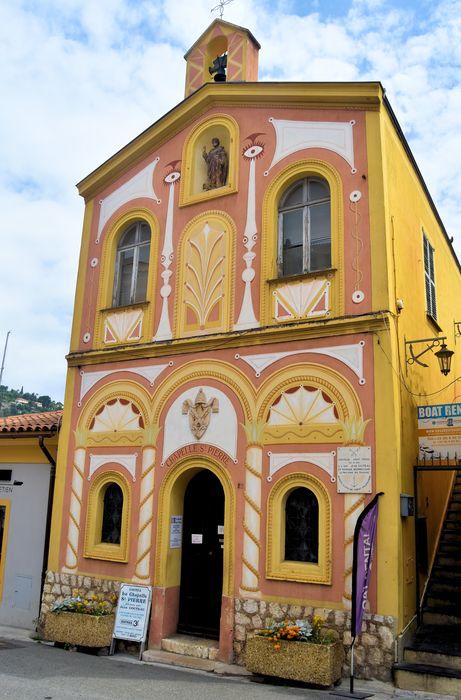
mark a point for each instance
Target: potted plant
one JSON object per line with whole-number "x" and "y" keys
{"x": 81, "y": 621}
{"x": 301, "y": 650}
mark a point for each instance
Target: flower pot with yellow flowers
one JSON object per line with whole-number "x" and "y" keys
{"x": 80, "y": 621}
{"x": 299, "y": 651}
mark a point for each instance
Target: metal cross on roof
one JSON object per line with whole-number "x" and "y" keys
{"x": 220, "y": 8}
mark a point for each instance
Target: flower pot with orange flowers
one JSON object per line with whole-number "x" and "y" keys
{"x": 299, "y": 651}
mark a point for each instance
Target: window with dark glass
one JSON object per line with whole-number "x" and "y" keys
{"x": 132, "y": 265}
{"x": 429, "y": 276}
{"x": 304, "y": 228}
{"x": 112, "y": 515}
{"x": 302, "y": 526}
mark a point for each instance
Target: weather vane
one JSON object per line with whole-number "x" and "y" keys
{"x": 220, "y": 8}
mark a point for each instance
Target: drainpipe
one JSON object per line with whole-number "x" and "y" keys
{"x": 49, "y": 512}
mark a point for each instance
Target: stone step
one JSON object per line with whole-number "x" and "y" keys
{"x": 449, "y": 603}
{"x": 157, "y": 656}
{"x": 451, "y": 536}
{"x": 444, "y": 587}
{"x": 439, "y": 616}
{"x": 428, "y": 678}
{"x": 187, "y": 645}
{"x": 431, "y": 658}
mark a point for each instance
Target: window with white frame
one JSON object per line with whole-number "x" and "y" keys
{"x": 429, "y": 276}
{"x": 132, "y": 265}
{"x": 304, "y": 242}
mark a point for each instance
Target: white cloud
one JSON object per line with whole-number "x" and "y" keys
{"x": 80, "y": 79}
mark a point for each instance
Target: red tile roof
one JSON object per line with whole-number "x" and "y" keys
{"x": 31, "y": 423}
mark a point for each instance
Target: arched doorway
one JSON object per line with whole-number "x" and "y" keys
{"x": 202, "y": 556}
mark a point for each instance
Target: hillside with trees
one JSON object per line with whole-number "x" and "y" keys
{"x": 14, "y": 402}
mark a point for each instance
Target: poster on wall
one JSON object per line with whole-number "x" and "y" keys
{"x": 353, "y": 474}
{"x": 439, "y": 431}
{"x": 175, "y": 531}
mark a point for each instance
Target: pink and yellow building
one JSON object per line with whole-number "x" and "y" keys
{"x": 237, "y": 388}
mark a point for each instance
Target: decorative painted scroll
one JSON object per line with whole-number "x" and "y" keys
{"x": 292, "y": 136}
{"x": 140, "y": 185}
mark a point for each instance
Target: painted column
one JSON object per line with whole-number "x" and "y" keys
{"x": 353, "y": 506}
{"x": 73, "y": 532}
{"x": 252, "y": 514}
{"x": 164, "y": 326}
{"x": 247, "y": 317}
{"x": 144, "y": 548}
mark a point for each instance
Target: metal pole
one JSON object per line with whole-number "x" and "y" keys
{"x": 415, "y": 494}
{"x": 3, "y": 367}
{"x": 352, "y": 667}
{"x": 4, "y": 355}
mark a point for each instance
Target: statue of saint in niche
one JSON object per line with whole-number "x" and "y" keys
{"x": 217, "y": 162}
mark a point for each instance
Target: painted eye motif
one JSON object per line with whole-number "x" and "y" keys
{"x": 172, "y": 177}
{"x": 253, "y": 151}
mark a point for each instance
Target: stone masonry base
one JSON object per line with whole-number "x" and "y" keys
{"x": 59, "y": 586}
{"x": 374, "y": 648}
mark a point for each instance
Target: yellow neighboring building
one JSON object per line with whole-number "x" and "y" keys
{"x": 252, "y": 267}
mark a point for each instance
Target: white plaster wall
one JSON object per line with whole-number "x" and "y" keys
{"x": 20, "y": 602}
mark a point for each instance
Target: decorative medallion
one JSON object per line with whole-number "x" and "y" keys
{"x": 200, "y": 413}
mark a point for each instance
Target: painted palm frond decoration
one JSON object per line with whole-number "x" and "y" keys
{"x": 302, "y": 406}
{"x": 205, "y": 274}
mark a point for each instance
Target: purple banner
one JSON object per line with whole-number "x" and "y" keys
{"x": 364, "y": 541}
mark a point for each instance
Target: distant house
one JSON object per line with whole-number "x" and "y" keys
{"x": 28, "y": 447}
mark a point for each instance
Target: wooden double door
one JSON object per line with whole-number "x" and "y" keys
{"x": 202, "y": 556}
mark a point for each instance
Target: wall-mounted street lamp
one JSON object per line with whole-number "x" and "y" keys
{"x": 443, "y": 355}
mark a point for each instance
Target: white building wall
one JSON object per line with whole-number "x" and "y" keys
{"x": 20, "y": 600}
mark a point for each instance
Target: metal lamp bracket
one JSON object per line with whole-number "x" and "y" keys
{"x": 431, "y": 343}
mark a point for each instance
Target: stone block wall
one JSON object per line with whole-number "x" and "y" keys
{"x": 374, "y": 648}
{"x": 59, "y": 586}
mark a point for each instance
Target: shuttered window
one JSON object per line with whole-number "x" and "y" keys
{"x": 429, "y": 274}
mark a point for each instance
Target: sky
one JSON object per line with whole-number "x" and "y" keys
{"x": 81, "y": 78}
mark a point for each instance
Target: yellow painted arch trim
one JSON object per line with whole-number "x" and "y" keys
{"x": 116, "y": 389}
{"x": 171, "y": 502}
{"x": 109, "y": 251}
{"x": 279, "y": 568}
{"x": 269, "y": 238}
{"x": 199, "y": 371}
{"x": 334, "y": 384}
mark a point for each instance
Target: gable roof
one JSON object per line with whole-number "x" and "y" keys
{"x": 31, "y": 423}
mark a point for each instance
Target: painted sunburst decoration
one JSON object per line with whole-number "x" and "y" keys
{"x": 115, "y": 416}
{"x": 302, "y": 406}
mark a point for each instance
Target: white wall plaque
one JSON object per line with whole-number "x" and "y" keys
{"x": 175, "y": 531}
{"x": 197, "y": 539}
{"x": 354, "y": 469}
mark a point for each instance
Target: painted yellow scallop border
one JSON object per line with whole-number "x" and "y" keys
{"x": 269, "y": 238}
{"x": 279, "y": 568}
{"x": 93, "y": 547}
{"x": 195, "y": 141}
{"x": 7, "y": 505}
{"x": 106, "y": 282}
{"x": 171, "y": 502}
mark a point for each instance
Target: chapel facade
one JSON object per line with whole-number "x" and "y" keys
{"x": 234, "y": 395}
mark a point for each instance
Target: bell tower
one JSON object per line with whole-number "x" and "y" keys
{"x": 225, "y": 52}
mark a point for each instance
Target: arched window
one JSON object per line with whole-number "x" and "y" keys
{"x": 299, "y": 526}
{"x": 304, "y": 242}
{"x": 132, "y": 265}
{"x": 112, "y": 514}
{"x": 302, "y": 526}
{"x": 108, "y": 518}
